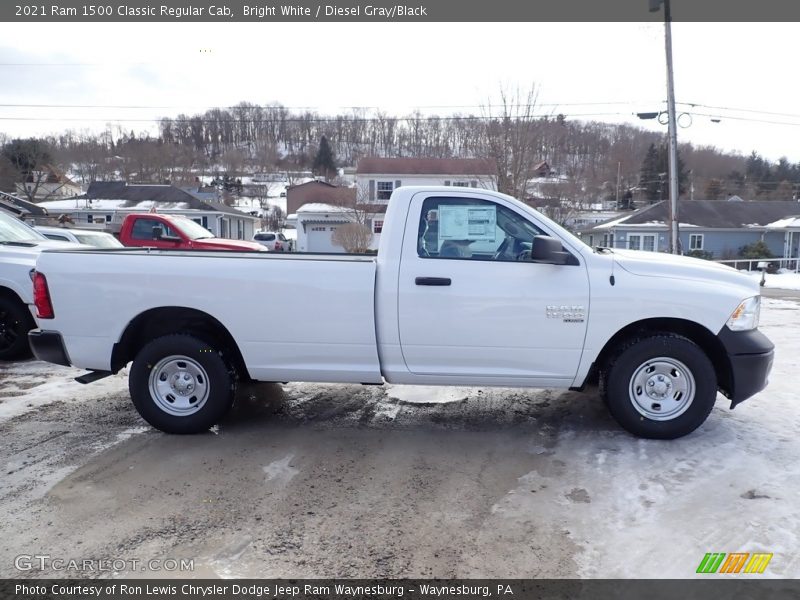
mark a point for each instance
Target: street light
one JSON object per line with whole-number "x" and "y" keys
{"x": 672, "y": 131}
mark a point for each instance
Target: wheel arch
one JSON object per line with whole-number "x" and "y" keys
{"x": 697, "y": 333}
{"x": 168, "y": 320}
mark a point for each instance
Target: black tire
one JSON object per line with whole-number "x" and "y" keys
{"x": 639, "y": 365}
{"x": 202, "y": 365}
{"x": 15, "y": 323}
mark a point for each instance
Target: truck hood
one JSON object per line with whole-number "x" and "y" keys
{"x": 659, "y": 264}
{"x": 223, "y": 244}
{"x": 34, "y": 247}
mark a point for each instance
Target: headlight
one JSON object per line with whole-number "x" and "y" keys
{"x": 745, "y": 317}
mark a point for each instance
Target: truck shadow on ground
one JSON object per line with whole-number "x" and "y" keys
{"x": 353, "y": 406}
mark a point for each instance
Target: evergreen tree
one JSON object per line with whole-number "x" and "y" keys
{"x": 654, "y": 175}
{"x": 324, "y": 164}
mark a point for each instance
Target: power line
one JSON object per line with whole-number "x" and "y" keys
{"x": 331, "y": 119}
{"x": 746, "y": 110}
{"x": 282, "y": 107}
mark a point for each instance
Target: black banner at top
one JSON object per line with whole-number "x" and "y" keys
{"x": 266, "y": 11}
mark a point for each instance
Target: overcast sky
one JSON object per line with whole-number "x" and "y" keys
{"x": 186, "y": 67}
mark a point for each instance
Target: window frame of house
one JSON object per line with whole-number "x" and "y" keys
{"x": 460, "y": 184}
{"x": 377, "y": 225}
{"x": 693, "y": 237}
{"x": 385, "y": 193}
{"x": 640, "y": 244}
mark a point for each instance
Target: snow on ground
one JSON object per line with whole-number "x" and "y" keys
{"x": 781, "y": 281}
{"x": 24, "y": 386}
{"x": 732, "y": 486}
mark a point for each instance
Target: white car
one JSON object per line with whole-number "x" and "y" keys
{"x": 469, "y": 288}
{"x": 98, "y": 239}
{"x": 274, "y": 241}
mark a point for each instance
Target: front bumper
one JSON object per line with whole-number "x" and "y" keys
{"x": 750, "y": 354}
{"x": 48, "y": 346}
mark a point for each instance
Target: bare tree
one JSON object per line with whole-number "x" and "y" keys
{"x": 353, "y": 237}
{"x": 510, "y": 139}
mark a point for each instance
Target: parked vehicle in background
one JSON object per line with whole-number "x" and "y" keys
{"x": 176, "y": 232}
{"x": 274, "y": 241}
{"x": 469, "y": 288}
{"x": 98, "y": 239}
{"x": 19, "y": 247}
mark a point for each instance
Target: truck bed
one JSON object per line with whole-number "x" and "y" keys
{"x": 301, "y": 317}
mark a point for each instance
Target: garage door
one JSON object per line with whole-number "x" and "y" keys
{"x": 319, "y": 240}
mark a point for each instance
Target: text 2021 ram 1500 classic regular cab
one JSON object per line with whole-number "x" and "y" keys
{"x": 469, "y": 287}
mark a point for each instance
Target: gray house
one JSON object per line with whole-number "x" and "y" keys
{"x": 718, "y": 227}
{"x": 105, "y": 204}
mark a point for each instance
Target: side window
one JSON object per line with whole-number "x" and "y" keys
{"x": 473, "y": 229}
{"x": 143, "y": 229}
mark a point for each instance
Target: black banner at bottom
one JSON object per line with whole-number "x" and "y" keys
{"x": 392, "y": 589}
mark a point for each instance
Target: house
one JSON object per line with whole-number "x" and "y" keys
{"x": 316, "y": 223}
{"x": 318, "y": 192}
{"x": 716, "y": 227}
{"x": 317, "y": 208}
{"x": 30, "y": 212}
{"x": 376, "y": 178}
{"x": 106, "y": 203}
{"x": 47, "y": 183}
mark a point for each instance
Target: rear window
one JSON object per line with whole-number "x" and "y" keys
{"x": 265, "y": 237}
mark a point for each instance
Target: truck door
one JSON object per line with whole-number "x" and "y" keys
{"x": 472, "y": 305}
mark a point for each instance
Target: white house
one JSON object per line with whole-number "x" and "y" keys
{"x": 47, "y": 183}
{"x": 316, "y": 223}
{"x": 376, "y": 178}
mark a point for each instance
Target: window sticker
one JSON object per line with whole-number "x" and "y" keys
{"x": 473, "y": 223}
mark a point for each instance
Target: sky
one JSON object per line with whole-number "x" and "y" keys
{"x": 600, "y": 71}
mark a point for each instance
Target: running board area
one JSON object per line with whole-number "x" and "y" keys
{"x": 92, "y": 376}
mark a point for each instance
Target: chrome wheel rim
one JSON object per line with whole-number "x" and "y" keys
{"x": 662, "y": 388}
{"x": 179, "y": 385}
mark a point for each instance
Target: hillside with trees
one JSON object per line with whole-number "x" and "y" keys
{"x": 591, "y": 158}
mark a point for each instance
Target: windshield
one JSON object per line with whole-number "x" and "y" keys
{"x": 192, "y": 230}
{"x": 14, "y": 230}
{"x": 98, "y": 240}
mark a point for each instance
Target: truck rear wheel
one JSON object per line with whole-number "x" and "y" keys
{"x": 661, "y": 387}
{"x": 15, "y": 323}
{"x": 180, "y": 384}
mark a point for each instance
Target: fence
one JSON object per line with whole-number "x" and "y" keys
{"x": 773, "y": 264}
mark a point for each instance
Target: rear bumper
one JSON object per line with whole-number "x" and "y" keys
{"x": 48, "y": 346}
{"x": 750, "y": 354}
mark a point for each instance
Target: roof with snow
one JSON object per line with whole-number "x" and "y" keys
{"x": 111, "y": 195}
{"x": 711, "y": 214}
{"x": 318, "y": 207}
{"x": 424, "y": 166}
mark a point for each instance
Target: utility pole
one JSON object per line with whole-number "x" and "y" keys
{"x": 619, "y": 168}
{"x": 672, "y": 132}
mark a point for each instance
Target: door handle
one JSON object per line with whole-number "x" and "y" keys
{"x": 432, "y": 281}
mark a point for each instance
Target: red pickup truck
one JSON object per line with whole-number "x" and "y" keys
{"x": 176, "y": 232}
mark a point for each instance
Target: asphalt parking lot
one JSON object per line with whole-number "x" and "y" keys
{"x": 309, "y": 480}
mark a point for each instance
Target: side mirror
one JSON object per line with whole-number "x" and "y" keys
{"x": 158, "y": 232}
{"x": 548, "y": 250}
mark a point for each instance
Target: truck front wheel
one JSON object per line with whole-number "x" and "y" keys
{"x": 180, "y": 384}
{"x": 661, "y": 387}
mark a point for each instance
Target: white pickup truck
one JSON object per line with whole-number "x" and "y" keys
{"x": 469, "y": 288}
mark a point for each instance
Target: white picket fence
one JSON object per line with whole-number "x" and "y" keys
{"x": 751, "y": 264}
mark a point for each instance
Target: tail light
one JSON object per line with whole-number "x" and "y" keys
{"x": 41, "y": 297}
{"x": 278, "y": 246}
